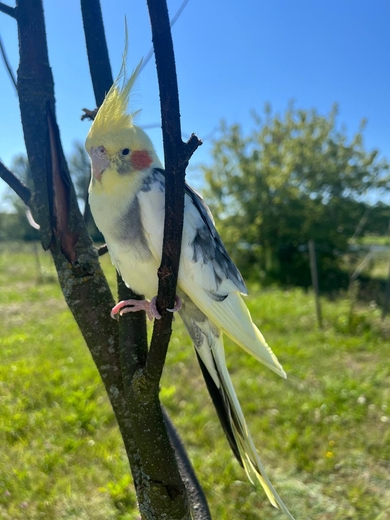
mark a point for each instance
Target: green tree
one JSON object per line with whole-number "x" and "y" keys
{"x": 294, "y": 178}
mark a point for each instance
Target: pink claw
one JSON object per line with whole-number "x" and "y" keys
{"x": 177, "y": 305}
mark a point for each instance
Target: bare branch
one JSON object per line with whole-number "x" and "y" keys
{"x": 177, "y": 155}
{"x": 7, "y": 65}
{"x": 16, "y": 184}
{"x": 11, "y": 11}
{"x": 155, "y": 472}
{"x": 95, "y": 39}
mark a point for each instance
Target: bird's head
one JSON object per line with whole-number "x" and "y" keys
{"x": 121, "y": 152}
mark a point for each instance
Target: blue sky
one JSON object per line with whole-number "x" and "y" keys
{"x": 232, "y": 57}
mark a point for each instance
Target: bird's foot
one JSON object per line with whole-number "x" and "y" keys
{"x": 142, "y": 305}
{"x": 134, "y": 306}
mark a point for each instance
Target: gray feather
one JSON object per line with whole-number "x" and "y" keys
{"x": 156, "y": 176}
{"x": 129, "y": 230}
{"x": 208, "y": 241}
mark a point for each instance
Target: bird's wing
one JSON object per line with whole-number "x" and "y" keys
{"x": 206, "y": 273}
{"x": 206, "y": 249}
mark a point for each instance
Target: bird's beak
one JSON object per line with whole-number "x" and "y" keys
{"x": 99, "y": 161}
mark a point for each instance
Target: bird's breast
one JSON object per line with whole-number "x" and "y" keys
{"x": 139, "y": 273}
{"x": 120, "y": 222}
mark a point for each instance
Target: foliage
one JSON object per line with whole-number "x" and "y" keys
{"x": 294, "y": 178}
{"x": 323, "y": 434}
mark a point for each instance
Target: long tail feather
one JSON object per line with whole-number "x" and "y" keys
{"x": 220, "y": 407}
{"x": 209, "y": 347}
{"x": 250, "y": 458}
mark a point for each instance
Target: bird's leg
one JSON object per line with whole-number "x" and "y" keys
{"x": 142, "y": 305}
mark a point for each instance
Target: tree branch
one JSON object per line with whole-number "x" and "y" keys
{"x": 16, "y": 184}
{"x": 11, "y": 11}
{"x": 132, "y": 340}
{"x": 95, "y": 38}
{"x": 176, "y": 155}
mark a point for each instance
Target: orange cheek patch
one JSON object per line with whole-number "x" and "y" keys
{"x": 140, "y": 160}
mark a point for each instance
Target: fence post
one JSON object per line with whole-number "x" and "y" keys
{"x": 314, "y": 281}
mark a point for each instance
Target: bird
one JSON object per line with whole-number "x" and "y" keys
{"x": 127, "y": 199}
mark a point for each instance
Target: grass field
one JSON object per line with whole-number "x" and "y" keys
{"x": 323, "y": 435}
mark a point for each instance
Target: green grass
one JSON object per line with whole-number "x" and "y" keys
{"x": 323, "y": 434}
{"x": 375, "y": 240}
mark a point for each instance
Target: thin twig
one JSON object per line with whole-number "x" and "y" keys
{"x": 361, "y": 266}
{"x": 7, "y": 9}
{"x": 360, "y": 226}
{"x": 89, "y": 114}
{"x": 8, "y": 66}
{"x": 16, "y": 184}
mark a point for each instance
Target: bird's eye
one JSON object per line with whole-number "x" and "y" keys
{"x": 125, "y": 151}
{"x": 100, "y": 151}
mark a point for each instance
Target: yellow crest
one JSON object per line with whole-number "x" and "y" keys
{"x": 113, "y": 115}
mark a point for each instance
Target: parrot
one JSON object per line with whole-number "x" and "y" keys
{"x": 127, "y": 200}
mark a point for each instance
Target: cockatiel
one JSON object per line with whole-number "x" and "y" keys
{"x": 127, "y": 201}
